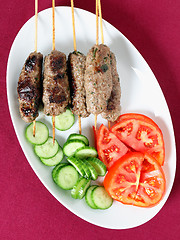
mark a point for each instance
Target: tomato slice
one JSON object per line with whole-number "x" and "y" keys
{"x": 136, "y": 116}
{"x": 136, "y": 179}
{"x": 141, "y": 134}
{"x": 151, "y": 183}
{"x": 109, "y": 147}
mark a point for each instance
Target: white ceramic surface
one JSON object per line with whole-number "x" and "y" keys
{"x": 140, "y": 93}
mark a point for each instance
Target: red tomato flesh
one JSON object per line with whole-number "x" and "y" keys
{"x": 109, "y": 147}
{"x": 136, "y": 116}
{"x": 136, "y": 179}
{"x": 141, "y": 134}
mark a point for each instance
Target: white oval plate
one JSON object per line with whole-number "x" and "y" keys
{"x": 140, "y": 93}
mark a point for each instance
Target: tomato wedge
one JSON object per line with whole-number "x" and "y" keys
{"x": 136, "y": 179}
{"x": 109, "y": 147}
{"x": 141, "y": 134}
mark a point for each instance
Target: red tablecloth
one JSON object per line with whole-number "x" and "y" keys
{"x": 27, "y": 209}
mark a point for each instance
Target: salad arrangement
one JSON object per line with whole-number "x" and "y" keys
{"x": 129, "y": 156}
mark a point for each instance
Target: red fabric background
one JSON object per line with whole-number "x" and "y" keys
{"x": 27, "y": 210}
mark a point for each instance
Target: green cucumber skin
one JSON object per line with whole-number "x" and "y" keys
{"x": 35, "y": 146}
{"x": 88, "y": 197}
{"x": 86, "y": 169}
{"x": 26, "y": 134}
{"x": 73, "y": 161}
{"x": 78, "y": 155}
{"x": 83, "y": 189}
{"x": 75, "y": 190}
{"x": 79, "y": 189}
{"x": 94, "y": 199}
{"x": 58, "y": 171}
{"x": 79, "y": 137}
{"x": 51, "y": 164}
{"x": 98, "y": 165}
{"x": 56, "y": 168}
{"x": 71, "y": 142}
{"x": 94, "y": 174}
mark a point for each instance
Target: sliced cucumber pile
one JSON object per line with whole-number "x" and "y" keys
{"x": 47, "y": 149}
{"x": 53, "y": 160}
{"x": 82, "y": 164}
{"x": 41, "y": 133}
{"x": 49, "y": 153}
{"x": 65, "y": 120}
{"x": 88, "y": 169}
{"x": 79, "y": 137}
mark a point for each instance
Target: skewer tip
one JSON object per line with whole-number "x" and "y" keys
{"x": 53, "y": 129}
{"x": 79, "y": 118}
{"x": 34, "y": 128}
{"x": 95, "y": 121}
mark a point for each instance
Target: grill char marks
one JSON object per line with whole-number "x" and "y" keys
{"x": 76, "y": 66}
{"x": 98, "y": 78}
{"x": 112, "y": 111}
{"x": 30, "y": 63}
{"x": 30, "y": 87}
{"x": 56, "y": 93}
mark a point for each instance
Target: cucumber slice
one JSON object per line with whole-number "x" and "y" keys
{"x": 83, "y": 188}
{"x": 54, "y": 160}
{"x": 85, "y": 152}
{"x": 80, "y": 188}
{"x": 77, "y": 186}
{"x": 86, "y": 169}
{"x": 88, "y": 197}
{"x": 94, "y": 174}
{"x": 41, "y": 134}
{"x": 66, "y": 177}
{"x": 101, "y": 198}
{"x": 77, "y": 164}
{"x": 98, "y": 165}
{"x": 79, "y": 137}
{"x": 47, "y": 149}
{"x": 65, "y": 120}
{"x": 71, "y": 146}
{"x": 56, "y": 168}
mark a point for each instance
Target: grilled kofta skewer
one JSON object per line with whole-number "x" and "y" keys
{"x": 30, "y": 87}
{"x": 76, "y": 67}
{"x": 98, "y": 78}
{"x": 112, "y": 111}
{"x": 56, "y": 92}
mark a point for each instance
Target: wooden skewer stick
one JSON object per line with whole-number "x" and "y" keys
{"x": 53, "y": 48}
{"x": 97, "y": 24}
{"x": 97, "y": 42}
{"x": 102, "y": 36}
{"x": 101, "y": 25}
{"x": 53, "y": 23}
{"x": 73, "y": 24}
{"x": 36, "y": 23}
{"x": 75, "y": 49}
